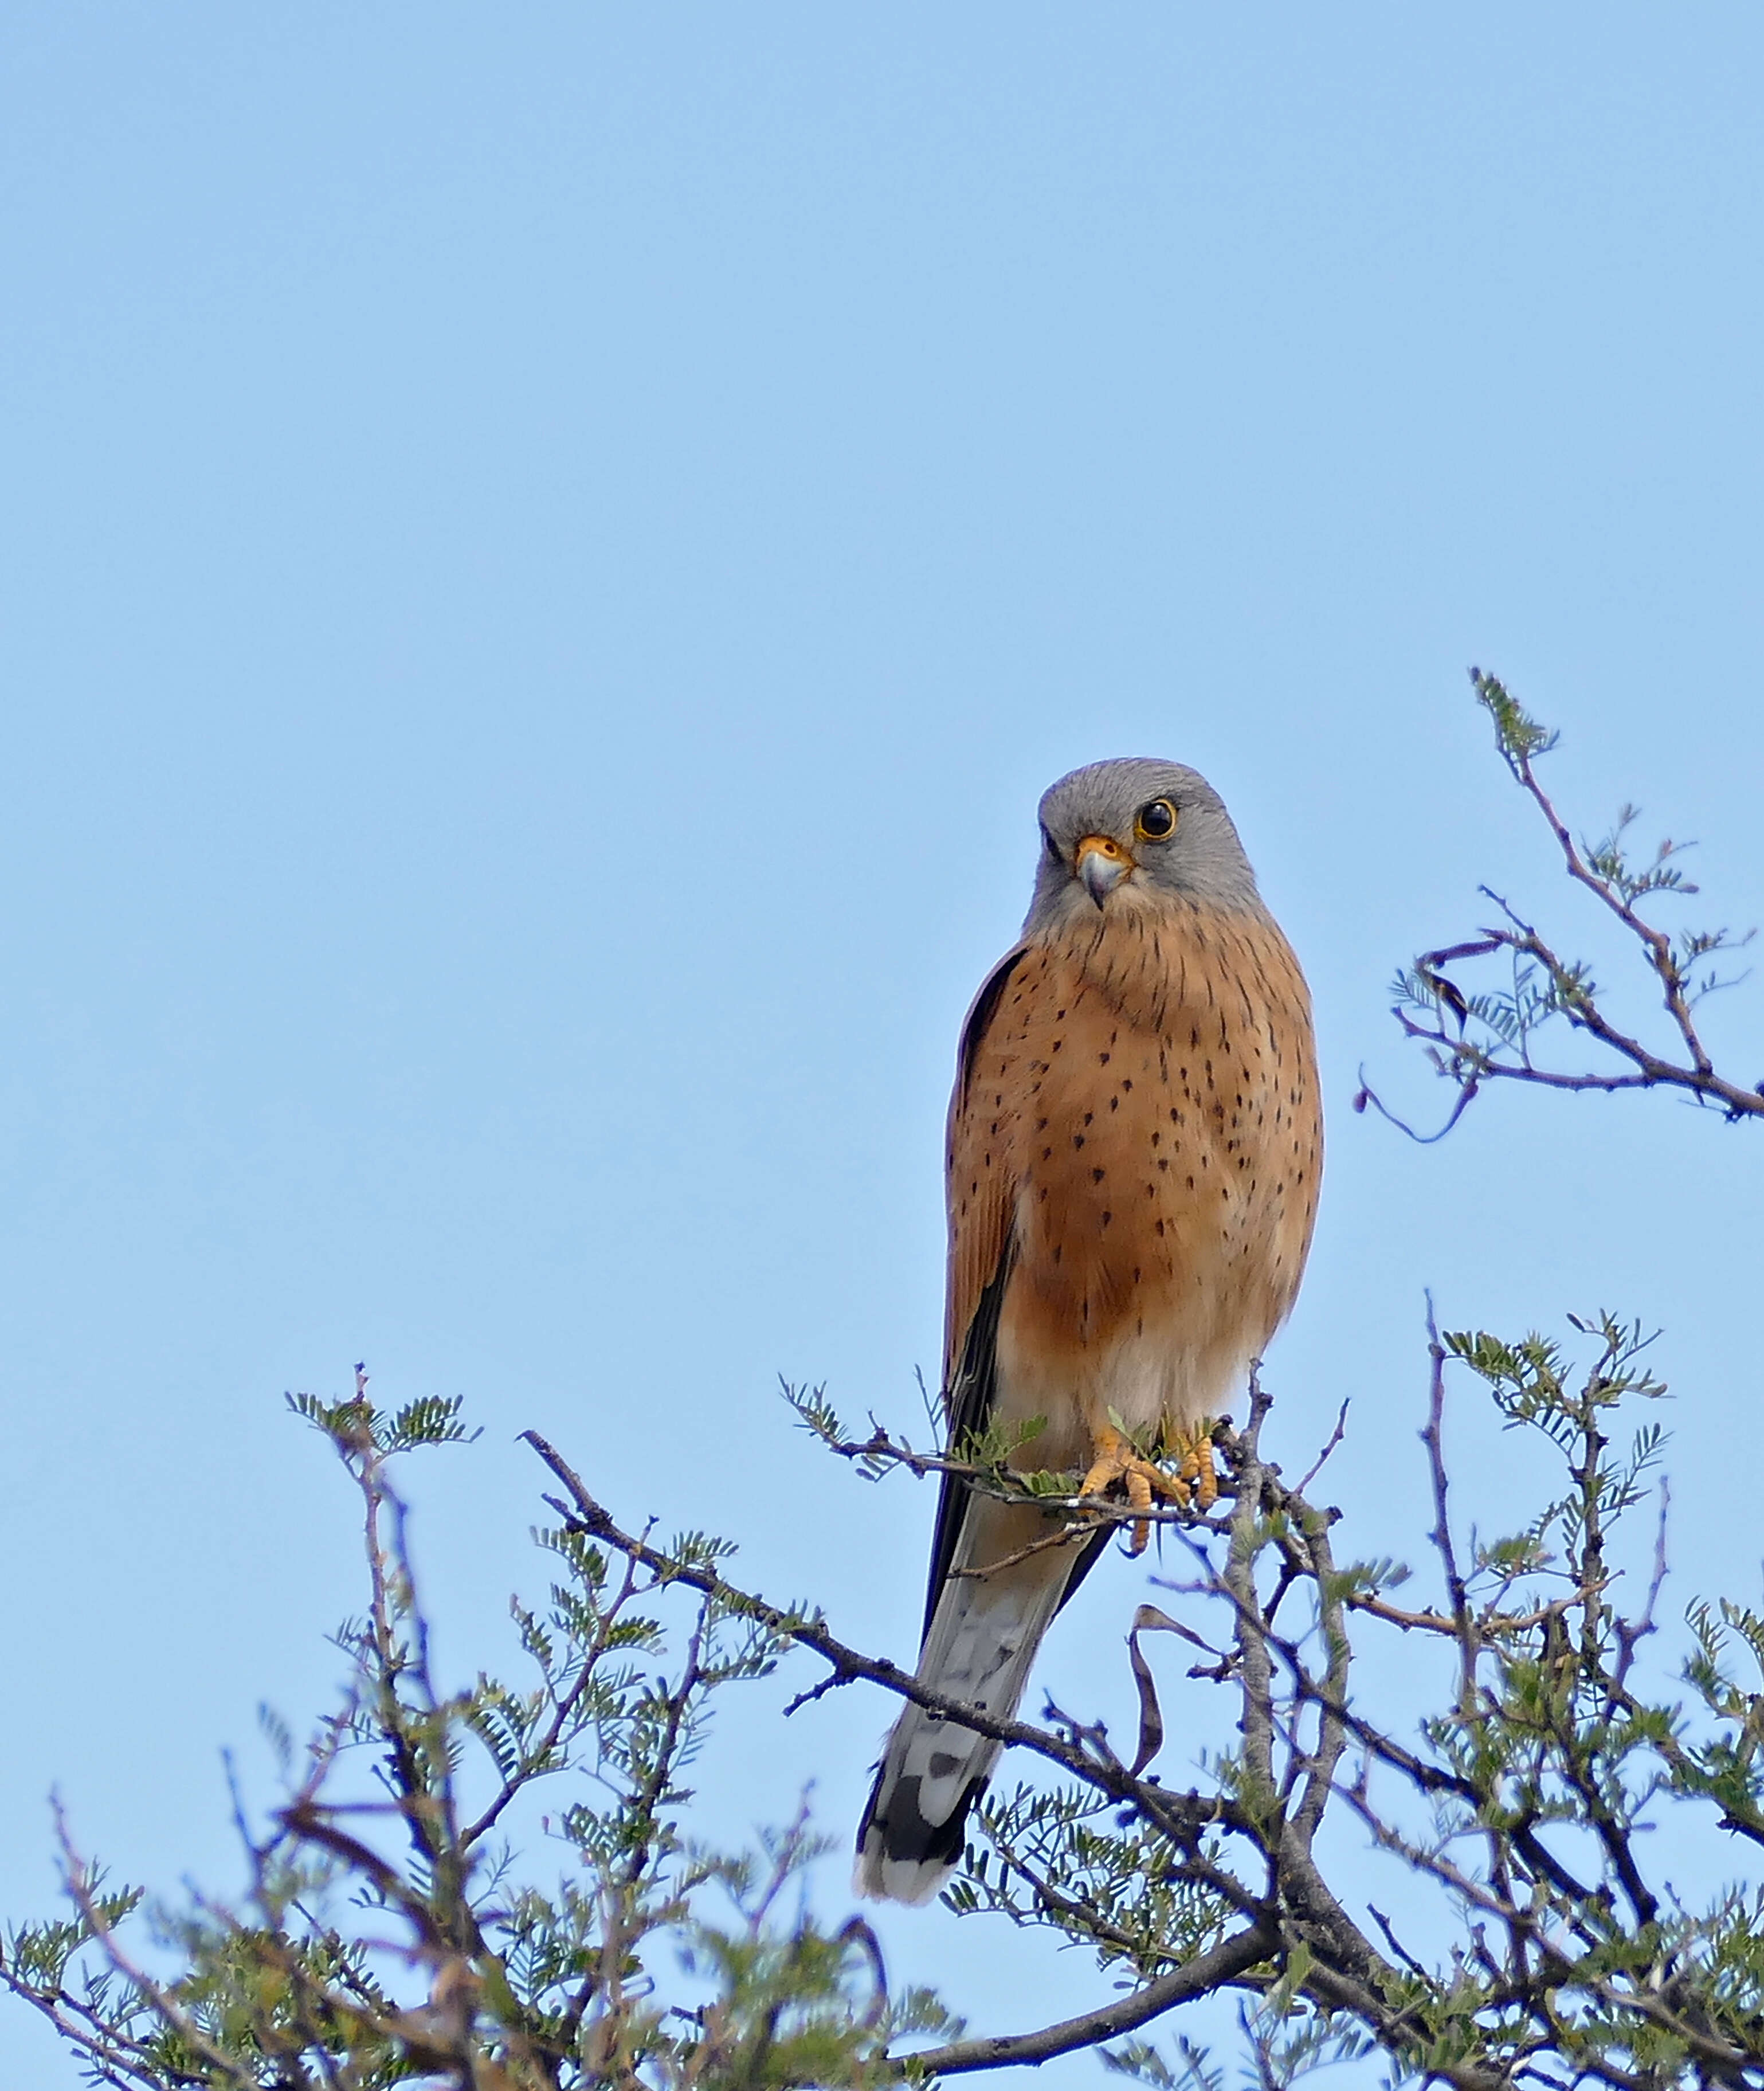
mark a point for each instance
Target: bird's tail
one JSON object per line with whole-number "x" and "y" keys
{"x": 982, "y": 1640}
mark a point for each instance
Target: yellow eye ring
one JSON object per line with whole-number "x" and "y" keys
{"x": 1155, "y": 823}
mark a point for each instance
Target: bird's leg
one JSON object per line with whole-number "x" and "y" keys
{"x": 1194, "y": 1452}
{"x": 1115, "y": 1460}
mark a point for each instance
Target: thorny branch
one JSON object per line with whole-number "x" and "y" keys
{"x": 1576, "y": 1966}
{"x": 850, "y": 1664}
{"x": 1292, "y": 1904}
{"x": 1473, "y": 1037}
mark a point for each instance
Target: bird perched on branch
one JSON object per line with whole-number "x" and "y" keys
{"x": 1133, "y": 1154}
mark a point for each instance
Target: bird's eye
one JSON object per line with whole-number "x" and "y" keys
{"x": 1049, "y": 844}
{"x": 1155, "y": 823}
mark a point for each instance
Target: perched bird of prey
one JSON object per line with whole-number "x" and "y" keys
{"x": 1133, "y": 1153}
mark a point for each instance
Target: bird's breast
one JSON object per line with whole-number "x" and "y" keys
{"x": 1149, "y": 1095}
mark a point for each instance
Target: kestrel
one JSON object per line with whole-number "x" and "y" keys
{"x": 1133, "y": 1153}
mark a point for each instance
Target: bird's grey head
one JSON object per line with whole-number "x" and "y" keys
{"x": 1124, "y": 835}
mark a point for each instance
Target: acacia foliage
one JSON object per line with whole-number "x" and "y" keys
{"x": 410, "y": 1917}
{"x": 391, "y": 1932}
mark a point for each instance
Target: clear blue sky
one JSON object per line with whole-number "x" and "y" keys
{"x": 547, "y": 555}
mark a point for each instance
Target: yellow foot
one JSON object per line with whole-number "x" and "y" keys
{"x": 1195, "y": 1480}
{"x": 1193, "y": 1450}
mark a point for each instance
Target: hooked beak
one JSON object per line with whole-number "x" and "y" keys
{"x": 1100, "y": 865}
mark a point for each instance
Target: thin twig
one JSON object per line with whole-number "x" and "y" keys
{"x": 1433, "y": 1438}
{"x": 1335, "y": 1437}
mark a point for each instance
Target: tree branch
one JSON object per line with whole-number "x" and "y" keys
{"x": 1206, "y": 1972}
{"x": 1178, "y": 1815}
